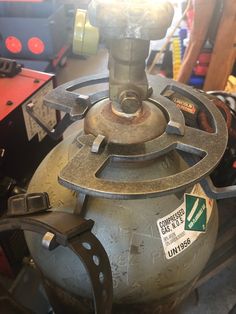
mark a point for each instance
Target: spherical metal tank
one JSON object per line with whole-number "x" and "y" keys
{"x": 134, "y": 169}
{"x": 150, "y": 274}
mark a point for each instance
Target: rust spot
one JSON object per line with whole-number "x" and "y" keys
{"x": 134, "y": 249}
{"x": 111, "y": 116}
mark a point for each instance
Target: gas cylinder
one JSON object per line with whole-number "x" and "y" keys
{"x": 139, "y": 168}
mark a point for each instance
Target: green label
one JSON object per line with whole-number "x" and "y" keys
{"x": 196, "y": 213}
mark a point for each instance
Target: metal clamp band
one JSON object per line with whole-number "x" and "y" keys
{"x": 74, "y": 232}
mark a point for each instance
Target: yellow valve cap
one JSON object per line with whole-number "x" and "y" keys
{"x": 86, "y": 36}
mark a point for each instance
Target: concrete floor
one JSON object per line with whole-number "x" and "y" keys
{"x": 80, "y": 67}
{"x": 218, "y": 295}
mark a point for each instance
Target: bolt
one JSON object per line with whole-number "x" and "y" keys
{"x": 49, "y": 241}
{"x": 175, "y": 128}
{"x": 129, "y": 101}
{"x": 98, "y": 143}
{"x": 150, "y": 92}
{"x": 9, "y": 103}
{"x": 2, "y": 152}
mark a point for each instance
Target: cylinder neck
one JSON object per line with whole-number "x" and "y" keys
{"x": 128, "y": 83}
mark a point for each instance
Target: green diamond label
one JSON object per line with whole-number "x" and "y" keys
{"x": 180, "y": 228}
{"x": 196, "y": 213}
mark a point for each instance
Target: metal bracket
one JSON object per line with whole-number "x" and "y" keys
{"x": 58, "y": 228}
{"x": 178, "y": 136}
{"x": 217, "y": 193}
{"x": 98, "y": 143}
{"x": 66, "y": 99}
{"x": 28, "y": 204}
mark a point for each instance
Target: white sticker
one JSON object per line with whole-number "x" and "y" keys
{"x": 47, "y": 115}
{"x": 184, "y": 225}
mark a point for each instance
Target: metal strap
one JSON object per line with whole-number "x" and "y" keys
{"x": 74, "y": 232}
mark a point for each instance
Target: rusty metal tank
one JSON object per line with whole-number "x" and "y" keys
{"x": 137, "y": 168}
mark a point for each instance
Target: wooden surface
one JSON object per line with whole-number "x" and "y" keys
{"x": 224, "y": 52}
{"x": 203, "y": 16}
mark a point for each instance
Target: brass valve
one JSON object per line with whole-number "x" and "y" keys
{"x": 134, "y": 19}
{"x": 129, "y": 26}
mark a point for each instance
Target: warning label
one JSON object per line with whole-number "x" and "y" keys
{"x": 195, "y": 213}
{"x": 184, "y": 225}
{"x": 184, "y": 105}
{"x": 47, "y": 115}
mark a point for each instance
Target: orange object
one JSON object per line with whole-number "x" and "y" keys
{"x": 13, "y": 44}
{"x": 203, "y": 13}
